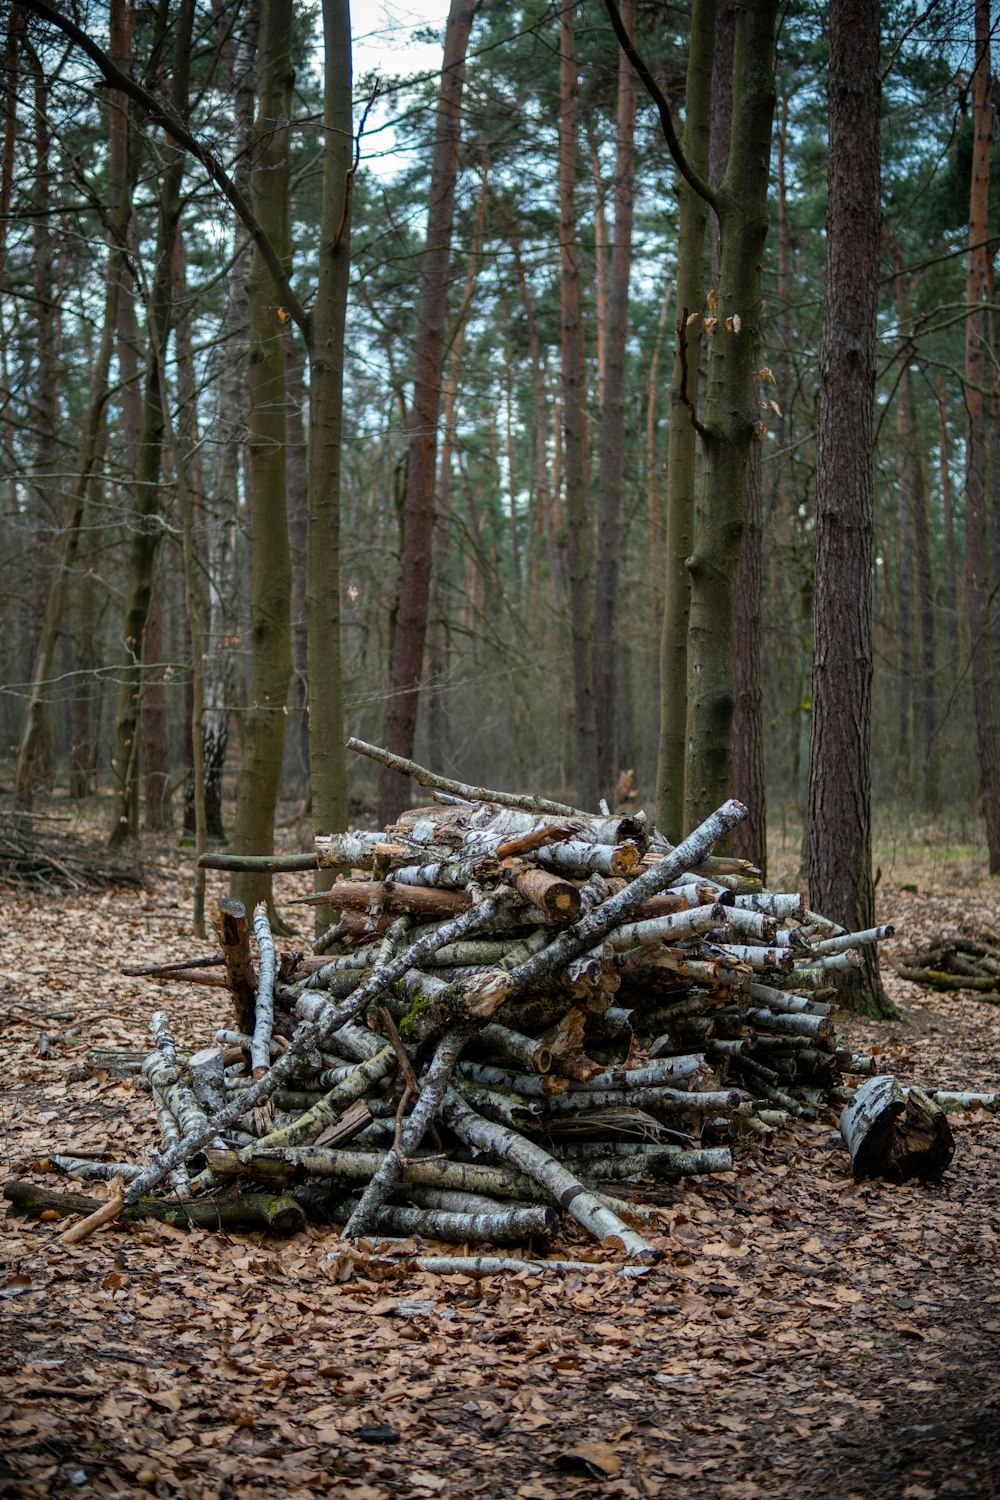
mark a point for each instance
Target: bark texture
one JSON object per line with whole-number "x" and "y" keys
{"x": 263, "y": 728}
{"x": 839, "y": 827}
{"x": 977, "y": 553}
{"x": 731, "y": 417}
{"x": 418, "y": 509}
{"x": 612, "y": 452}
{"x": 682, "y": 441}
{"x": 327, "y": 773}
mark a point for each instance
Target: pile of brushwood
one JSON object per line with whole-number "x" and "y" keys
{"x": 520, "y": 1011}
{"x": 957, "y": 961}
{"x": 34, "y": 851}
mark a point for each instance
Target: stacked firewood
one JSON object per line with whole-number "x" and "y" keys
{"x": 518, "y": 1011}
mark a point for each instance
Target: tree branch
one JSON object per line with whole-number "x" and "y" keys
{"x": 160, "y": 114}
{"x": 649, "y": 83}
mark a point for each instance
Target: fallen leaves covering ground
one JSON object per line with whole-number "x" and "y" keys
{"x": 803, "y": 1336}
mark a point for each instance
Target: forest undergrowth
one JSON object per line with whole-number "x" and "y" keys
{"x": 802, "y": 1336}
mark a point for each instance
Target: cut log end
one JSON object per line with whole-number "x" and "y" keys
{"x": 896, "y": 1134}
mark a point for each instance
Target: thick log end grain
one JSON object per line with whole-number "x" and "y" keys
{"x": 896, "y": 1134}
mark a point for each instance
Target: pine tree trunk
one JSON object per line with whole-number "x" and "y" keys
{"x": 612, "y": 436}
{"x": 437, "y": 640}
{"x": 223, "y": 467}
{"x": 263, "y": 735}
{"x": 749, "y": 839}
{"x": 840, "y": 871}
{"x": 327, "y": 771}
{"x": 418, "y": 514}
{"x": 682, "y": 440}
{"x": 731, "y": 416}
{"x": 977, "y": 579}
{"x": 146, "y": 532}
{"x": 911, "y": 459}
{"x": 575, "y": 438}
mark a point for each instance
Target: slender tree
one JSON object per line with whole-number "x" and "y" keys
{"x": 612, "y": 432}
{"x": 574, "y": 415}
{"x": 146, "y": 530}
{"x": 122, "y": 171}
{"x": 327, "y": 775}
{"x": 977, "y": 552}
{"x": 682, "y": 439}
{"x": 263, "y": 729}
{"x": 418, "y": 510}
{"x": 731, "y": 415}
{"x": 839, "y": 828}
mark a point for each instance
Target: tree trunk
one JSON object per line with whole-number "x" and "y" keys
{"x": 297, "y": 481}
{"x": 748, "y": 782}
{"x": 39, "y": 765}
{"x": 731, "y": 416}
{"x": 911, "y": 459}
{"x": 951, "y": 603}
{"x": 839, "y": 833}
{"x": 977, "y": 579}
{"x": 223, "y": 468}
{"x": 153, "y": 706}
{"x": 437, "y": 642}
{"x": 121, "y": 175}
{"x": 574, "y": 413}
{"x": 327, "y": 771}
{"x": 682, "y": 441}
{"x": 418, "y": 512}
{"x": 264, "y": 718}
{"x": 146, "y": 532}
{"x": 749, "y": 840}
{"x": 612, "y": 438}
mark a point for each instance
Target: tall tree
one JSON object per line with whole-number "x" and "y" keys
{"x": 731, "y": 415}
{"x": 575, "y": 437}
{"x": 146, "y": 530}
{"x": 122, "y": 172}
{"x": 418, "y": 510}
{"x": 749, "y": 840}
{"x": 977, "y": 551}
{"x": 263, "y": 730}
{"x": 839, "y": 828}
{"x": 612, "y": 434}
{"x": 682, "y": 440}
{"x": 327, "y": 776}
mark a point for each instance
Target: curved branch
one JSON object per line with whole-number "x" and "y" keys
{"x": 649, "y": 83}
{"x": 160, "y": 114}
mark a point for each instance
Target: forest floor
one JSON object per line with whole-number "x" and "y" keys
{"x": 802, "y": 1336}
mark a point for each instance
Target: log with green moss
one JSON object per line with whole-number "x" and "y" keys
{"x": 248, "y": 1211}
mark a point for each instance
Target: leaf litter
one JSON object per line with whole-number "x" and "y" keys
{"x": 803, "y": 1335}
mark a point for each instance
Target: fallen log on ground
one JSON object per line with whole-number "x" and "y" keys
{"x": 896, "y": 1133}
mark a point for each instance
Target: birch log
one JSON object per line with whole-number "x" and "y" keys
{"x": 567, "y": 1191}
{"x": 260, "y": 1046}
{"x": 895, "y": 1133}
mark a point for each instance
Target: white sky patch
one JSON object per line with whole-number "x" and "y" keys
{"x": 382, "y": 41}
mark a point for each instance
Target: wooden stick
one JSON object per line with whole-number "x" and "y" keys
{"x": 459, "y": 788}
{"x": 106, "y": 1214}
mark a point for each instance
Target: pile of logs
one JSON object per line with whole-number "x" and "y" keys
{"x": 518, "y": 1011}
{"x": 956, "y": 961}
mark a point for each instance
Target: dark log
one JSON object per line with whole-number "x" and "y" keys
{"x": 895, "y": 1133}
{"x": 229, "y": 919}
{"x": 249, "y": 1211}
{"x": 266, "y": 864}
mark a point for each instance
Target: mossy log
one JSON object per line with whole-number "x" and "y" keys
{"x": 248, "y": 1211}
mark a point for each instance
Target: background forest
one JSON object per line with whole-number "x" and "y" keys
{"x": 182, "y": 495}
